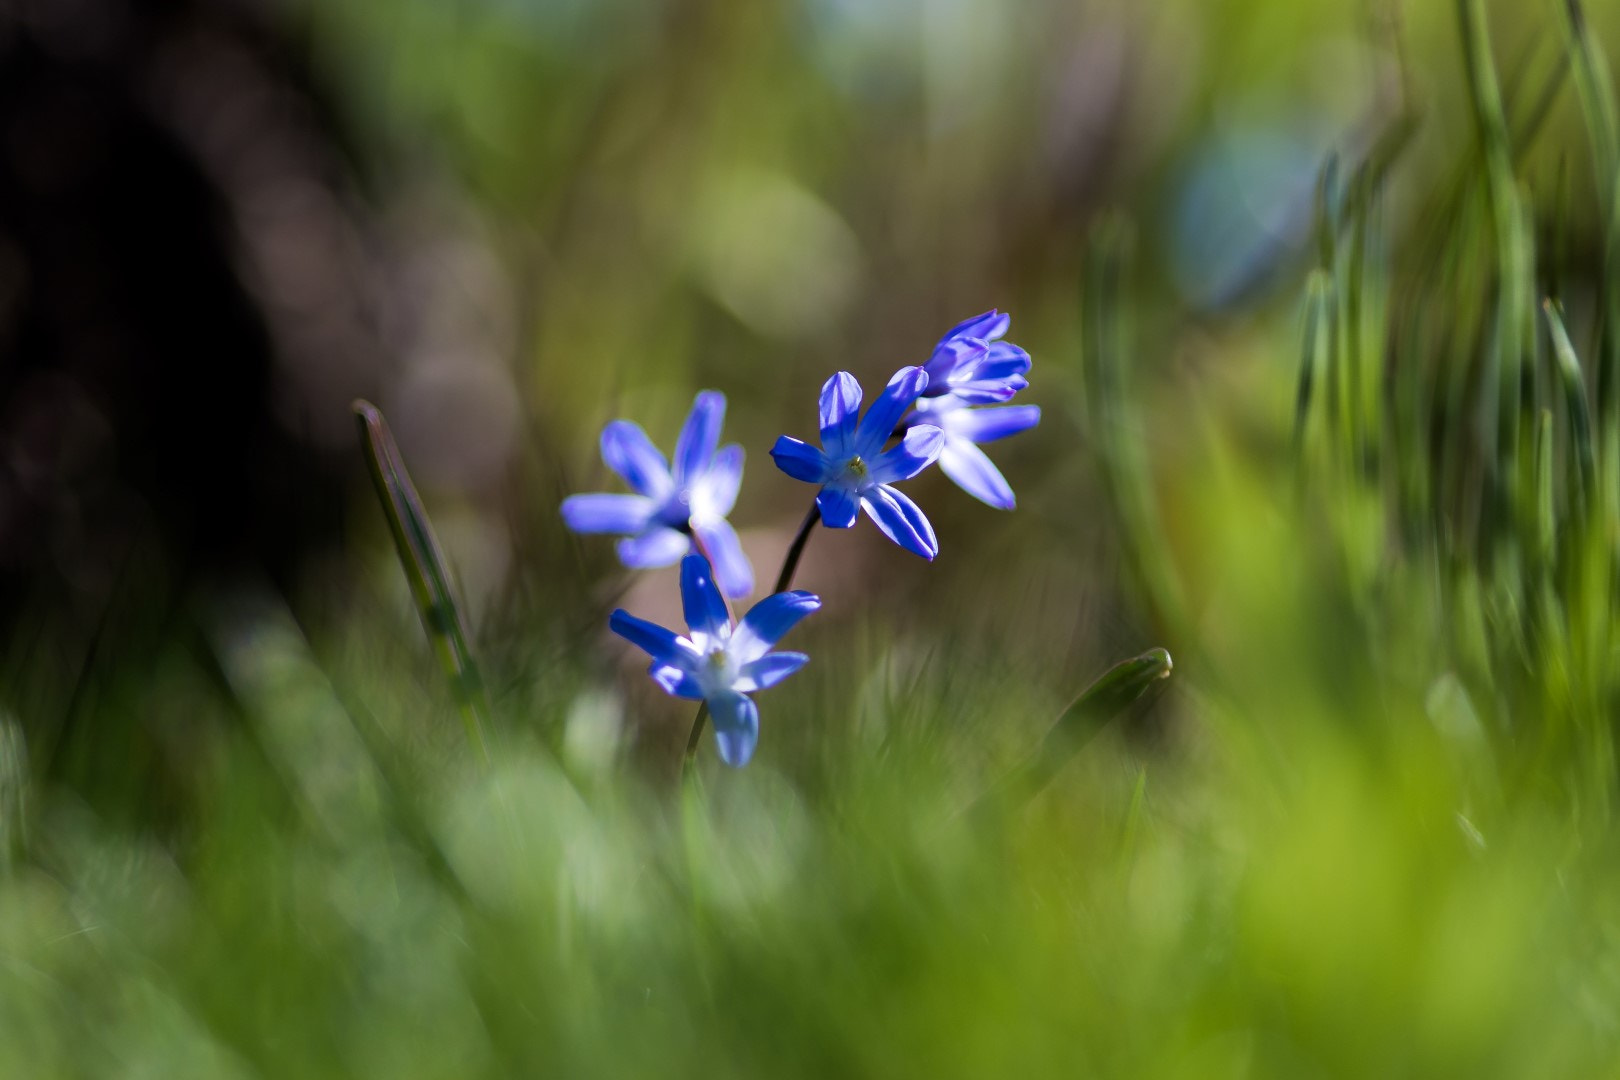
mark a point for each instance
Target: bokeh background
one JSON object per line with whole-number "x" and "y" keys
{"x": 507, "y": 222}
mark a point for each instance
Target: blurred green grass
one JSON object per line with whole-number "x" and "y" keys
{"x": 1369, "y": 829}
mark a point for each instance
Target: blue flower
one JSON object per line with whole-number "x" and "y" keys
{"x": 965, "y": 428}
{"x": 720, "y": 663}
{"x": 854, "y": 469}
{"x": 669, "y": 509}
{"x": 974, "y": 366}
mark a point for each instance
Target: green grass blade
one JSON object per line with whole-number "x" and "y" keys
{"x": 1115, "y": 425}
{"x": 1118, "y": 689}
{"x": 1575, "y": 405}
{"x": 1546, "y": 499}
{"x": 1327, "y": 194}
{"x": 1594, "y": 86}
{"x": 1560, "y": 233}
{"x": 1313, "y": 352}
{"x": 14, "y": 785}
{"x": 1354, "y": 279}
{"x": 1513, "y": 269}
{"x": 425, "y": 571}
{"x": 295, "y": 716}
{"x": 1595, "y": 89}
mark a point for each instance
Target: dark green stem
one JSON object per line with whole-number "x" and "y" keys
{"x": 697, "y": 729}
{"x": 790, "y": 565}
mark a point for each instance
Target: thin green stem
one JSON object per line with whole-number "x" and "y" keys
{"x": 697, "y": 729}
{"x": 790, "y": 565}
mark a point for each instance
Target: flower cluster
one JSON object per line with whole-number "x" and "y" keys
{"x": 942, "y": 411}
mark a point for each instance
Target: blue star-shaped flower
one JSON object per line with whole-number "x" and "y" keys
{"x": 670, "y": 508}
{"x": 720, "y": 663}
{"x": 852, "y": 466}
{"x": 965, "y": 428}
{"x": 974, "y": 366}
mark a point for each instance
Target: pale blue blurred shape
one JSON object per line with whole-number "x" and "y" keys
{"x": 871, "y": 50}
{"x": 869, "y": 19}
{"x": 1242, "y": 212}
{"x": 881, "y": 50}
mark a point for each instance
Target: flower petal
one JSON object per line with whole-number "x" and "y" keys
{"x": 676, "y": 680}
{"x": 699, "y": 435}
{"x": 714, "y": 493}
{"x": 885, "y": 412}
{"x": 768, "y": 620}
{"x": 988, "y": 425}
{"x": 837, "y": 507}
{"x": 976, "y": 474}
{"x": 1003, "y": 358}
{"x": 916, "y": 451}
{"x": 736, "y": 727}
{"x": 662, "y": 644}
{"x": 628, "y": 452}
{"x": 657, "y": 546}
{"x": 987, "y": 327}
{"x": 731, "y": 567}
{"x": 840, "y": 409}
{"x": 951, "y": 356}
{"x": 701, "y": 602}
{"x": 799, "y": 460}
{"x": 769, "y": 670}
{"x": 900, "y": 520}
{"x": 994, "y": 392}
{"x": 930, "y": 410}
{"x": 607, "y": 513}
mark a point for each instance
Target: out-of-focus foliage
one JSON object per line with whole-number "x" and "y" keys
{"x": 1308, "y": 424}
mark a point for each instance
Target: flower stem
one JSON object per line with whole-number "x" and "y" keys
{"x": 697, "y": 729}
{"x": 790, "y": 565}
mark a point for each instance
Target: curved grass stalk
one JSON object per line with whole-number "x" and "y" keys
{"x": 425, "y": 571}
{"x": 1116, "y": 690}
{"x": 14, "y": 787}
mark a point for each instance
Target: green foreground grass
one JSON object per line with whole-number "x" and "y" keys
{"x": 1314, "y": 887}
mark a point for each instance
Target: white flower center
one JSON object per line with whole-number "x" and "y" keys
{"x": 856, "y": 469}
{"x": 719, "y": 670}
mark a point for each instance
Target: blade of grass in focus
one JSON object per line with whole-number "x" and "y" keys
{"x": 425, "y": 571}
